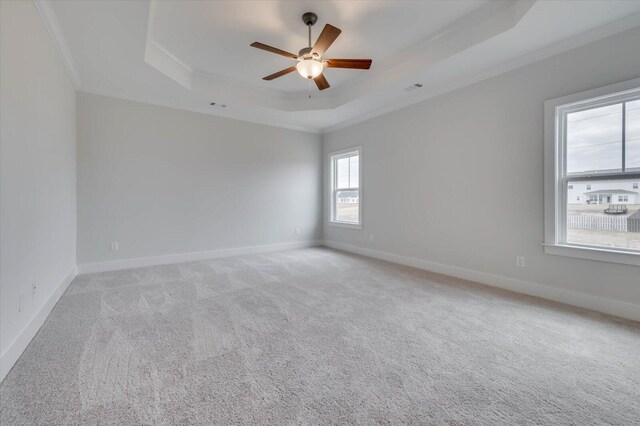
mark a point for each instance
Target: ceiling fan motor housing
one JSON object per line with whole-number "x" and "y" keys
{"x": 310, "y": 59}
{"x": 309, "y": 18}
{"x": 306, "y": 54}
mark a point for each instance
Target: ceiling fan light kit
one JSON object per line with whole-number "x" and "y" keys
{"x": 310, "y": 62}
{"x": 310, "y": 68}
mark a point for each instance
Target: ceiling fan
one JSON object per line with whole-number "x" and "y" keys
{"x": 310, "y": 61}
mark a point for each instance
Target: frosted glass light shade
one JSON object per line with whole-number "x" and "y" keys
{"x": 310, "y": 68}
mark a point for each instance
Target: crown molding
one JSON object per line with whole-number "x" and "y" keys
{"x": 470, "y": 28}
{"x": 51, "y": 22}
{"x": 574, "y": 42}
{"x": 201, "y": 110}
{"x": 490, "y": 20}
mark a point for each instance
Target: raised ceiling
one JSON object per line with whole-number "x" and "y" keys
{"x": 213, "y": 37}
{"x": 186, "y": 54}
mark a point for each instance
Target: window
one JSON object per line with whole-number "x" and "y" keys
{"x": 592, "y": 149}
{"x": 346, "y": 179}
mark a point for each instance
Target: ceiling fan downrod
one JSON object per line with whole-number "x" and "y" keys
{"x": 309, "y": 20}
{"x": 311, "y": 61}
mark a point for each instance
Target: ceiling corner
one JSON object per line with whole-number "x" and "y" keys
{"x": 50, "y": 21}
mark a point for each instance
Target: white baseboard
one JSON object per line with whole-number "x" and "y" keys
{"x": 20, "y": 343}
{"x": 117, "y": 265}
{"x": 556, "y": 294}
{"x": 15, "y": 349}
{"x": 596, "y": 303}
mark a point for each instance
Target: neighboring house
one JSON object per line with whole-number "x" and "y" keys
{"x": 604, "y": 192}
{"x": 348, "y": 197}
{"x": 611, "y": 196}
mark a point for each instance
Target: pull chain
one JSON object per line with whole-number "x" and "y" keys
{"x": 309, "y": 86}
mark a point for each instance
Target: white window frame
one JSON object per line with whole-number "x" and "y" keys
{"x": 555, "y": 179}
{"x": 333, "y": 158}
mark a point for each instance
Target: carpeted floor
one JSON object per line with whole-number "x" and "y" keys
{"x": 315, "y": 337}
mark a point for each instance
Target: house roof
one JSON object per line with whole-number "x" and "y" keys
{"x": 347, "y": 194}
{"x": 610, "y": 191}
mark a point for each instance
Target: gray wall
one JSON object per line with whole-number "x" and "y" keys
{"x": 37, "y": 169}
{"x": 458, "y": 179}
{"x": 161, "y": 181}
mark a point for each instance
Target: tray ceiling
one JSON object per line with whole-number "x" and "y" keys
{"x": 188, "y": 54}
{"x": 214, "y": 37}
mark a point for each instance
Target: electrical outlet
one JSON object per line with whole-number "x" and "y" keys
{"x": 114, "y": 246}
{"x": 520, "y": 261}
{"x": 34, "y": 287}
{"x": 370, "y": 237}
{"x": 297, "y": 231}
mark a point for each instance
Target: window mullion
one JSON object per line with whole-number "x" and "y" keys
{"x": 335, "y": 193}
{"x": 624, "y": 136}
{"x": 561, "y": 209}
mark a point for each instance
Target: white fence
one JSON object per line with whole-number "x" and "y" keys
{"x": 633, "y": 222}
{"x": 603, "y": 223}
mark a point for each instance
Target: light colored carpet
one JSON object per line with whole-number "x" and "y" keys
{"x": 315, "y": 337}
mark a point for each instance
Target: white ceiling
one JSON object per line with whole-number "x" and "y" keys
{"x": 184, "y": 54}
{"x": 214, "y": 37}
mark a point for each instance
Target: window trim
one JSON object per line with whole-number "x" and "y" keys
{"x": 332, "y": 158}
{"x": 555, "y": 191}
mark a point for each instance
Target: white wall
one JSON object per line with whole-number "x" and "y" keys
{"x": 458, "y": 180}
{"x": 161, "y": 181}
{"x": 38, "y": 176}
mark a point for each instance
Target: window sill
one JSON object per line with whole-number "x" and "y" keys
{"x": 345, "y": 225}
{"x": 594, "y": 253}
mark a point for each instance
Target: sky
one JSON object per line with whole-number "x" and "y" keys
{"x": 594, "y": 138}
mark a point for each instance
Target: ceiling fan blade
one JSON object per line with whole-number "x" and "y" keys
{"x": 328, "y": 35}
{"x": 360, "y": 64}
{"x": 280, "y": 73}
{"x": 273, "y": 50}
{"x": 321, "y": 82}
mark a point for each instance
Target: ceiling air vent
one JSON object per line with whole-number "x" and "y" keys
{"x": 413, "y": 87}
